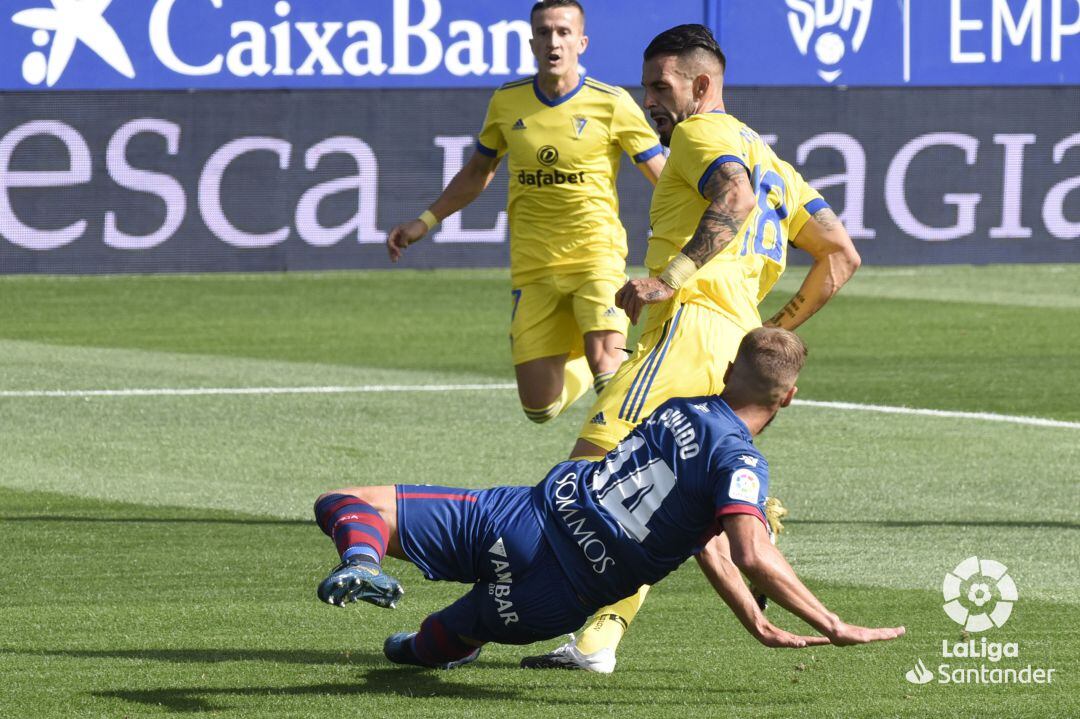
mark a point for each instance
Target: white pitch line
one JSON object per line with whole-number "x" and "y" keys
{"x": 374, "y": 389}
{"x": 985, "y": 416}
{"x": 224, "y": 391}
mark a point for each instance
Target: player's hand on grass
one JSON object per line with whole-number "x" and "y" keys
{"x": 847, "y": 634}
{"x": 773, "y": 636}
{"x": 635, "y": 294}
{"x": 402, "y": 236}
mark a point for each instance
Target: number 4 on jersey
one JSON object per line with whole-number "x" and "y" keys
{"x": 632, "y": 496}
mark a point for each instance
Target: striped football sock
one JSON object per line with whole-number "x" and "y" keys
{"x": 434, "y": 644}
{"x": 544, "y": 414}
{"x": 354, "y": 525}
{"x": 601, "y": 380}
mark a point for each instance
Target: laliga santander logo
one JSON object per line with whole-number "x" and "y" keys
{"x": 969, "y": 590}
{"x": 65, "y": 24}
{"x": 979, "y": 595}
{"x": 823, "y": 25}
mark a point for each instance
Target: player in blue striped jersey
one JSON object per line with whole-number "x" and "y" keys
{"x": 688, "y": 481}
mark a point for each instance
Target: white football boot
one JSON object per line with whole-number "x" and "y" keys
{"x": 568, "y": 656}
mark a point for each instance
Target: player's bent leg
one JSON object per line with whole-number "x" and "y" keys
{"x": 434, "y": 646}
{"x": 682, "y": 353}
{"x": 594, "y": 649}
{"x": 548, "y": 385}
{"x": 604, "y": 351}
{"x": 606, "y": 629}
{"x": 493, "y": 539}
{"x": 606, "y": 424}
{"x": 546, "y": 349}
{"x": 362, "y": 522}
{"x": 603, "y": 325}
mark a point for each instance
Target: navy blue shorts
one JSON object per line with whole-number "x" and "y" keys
{"x": 490, "y": 538}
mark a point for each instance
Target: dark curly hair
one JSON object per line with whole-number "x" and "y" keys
{"x": 684, "y": 39}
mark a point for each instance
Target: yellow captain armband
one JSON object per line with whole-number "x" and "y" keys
{"x": 429, "y": 219}
{"x": 678, "y": 271}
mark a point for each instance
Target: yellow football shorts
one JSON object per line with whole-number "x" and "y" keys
{"x": 550, "y": 317}
{"x": 686, "y": 356}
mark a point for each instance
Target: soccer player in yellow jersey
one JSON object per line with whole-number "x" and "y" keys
{"x": 564, "y": 135}
{"x": 723, "y": 213}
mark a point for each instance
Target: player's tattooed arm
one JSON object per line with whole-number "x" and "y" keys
{"x": 824, "y": 238}
{"x": 789, "y": 311}
{"x": 731, "y": 199}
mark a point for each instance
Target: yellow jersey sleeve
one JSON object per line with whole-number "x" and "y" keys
{"x": 632, "y": 132}
{"x": 491, "y": 141}
{"x": 701, "y": 147}
{"x": 739, "y": 276}
{"x": 808, "y": 201}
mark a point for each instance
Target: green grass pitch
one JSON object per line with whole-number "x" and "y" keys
{"x": 159, "y": 557}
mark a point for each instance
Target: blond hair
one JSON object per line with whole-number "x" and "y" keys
{"x": 767, "y": 364}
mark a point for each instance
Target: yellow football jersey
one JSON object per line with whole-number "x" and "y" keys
{"x": 563, "y": 158}
{"x": 738, "y": 278}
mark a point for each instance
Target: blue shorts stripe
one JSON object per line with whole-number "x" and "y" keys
{"x": 640, "y": 375}
{"x": 656, "y": 369}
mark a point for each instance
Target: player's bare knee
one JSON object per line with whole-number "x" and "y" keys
{"x": 379, "y": 496}
{"x": 375, "y": 496}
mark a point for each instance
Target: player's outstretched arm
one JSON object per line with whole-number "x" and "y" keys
{"x": 652, "y": 167}
{"x": 715, "y": 562}
{"x": 466, "y": 186}
{"x": 835, "y": 261}
{"x": 731, "y": 200}
{"x": 770, "y": 572}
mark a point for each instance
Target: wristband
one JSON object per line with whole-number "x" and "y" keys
{"x": 678, "y": 271}
{"x": 429, "y": 219}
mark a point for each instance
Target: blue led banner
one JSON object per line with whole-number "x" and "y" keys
{"x": 343, "y": 44}
{"x": 303, "y": 44}
{"x": 902, "y": 42}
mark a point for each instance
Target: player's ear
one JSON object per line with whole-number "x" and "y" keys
{"x": 727, "y": 373}
{"x": 583, "y": 44}
{"x": 701, "y": 86}
{"x": 789, "y": 396}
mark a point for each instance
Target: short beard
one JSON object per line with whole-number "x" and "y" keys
{"x": 675, "y": 119}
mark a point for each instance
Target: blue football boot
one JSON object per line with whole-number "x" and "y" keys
{"x": 356, "y": 578}
{"x": 398, "y": 649}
